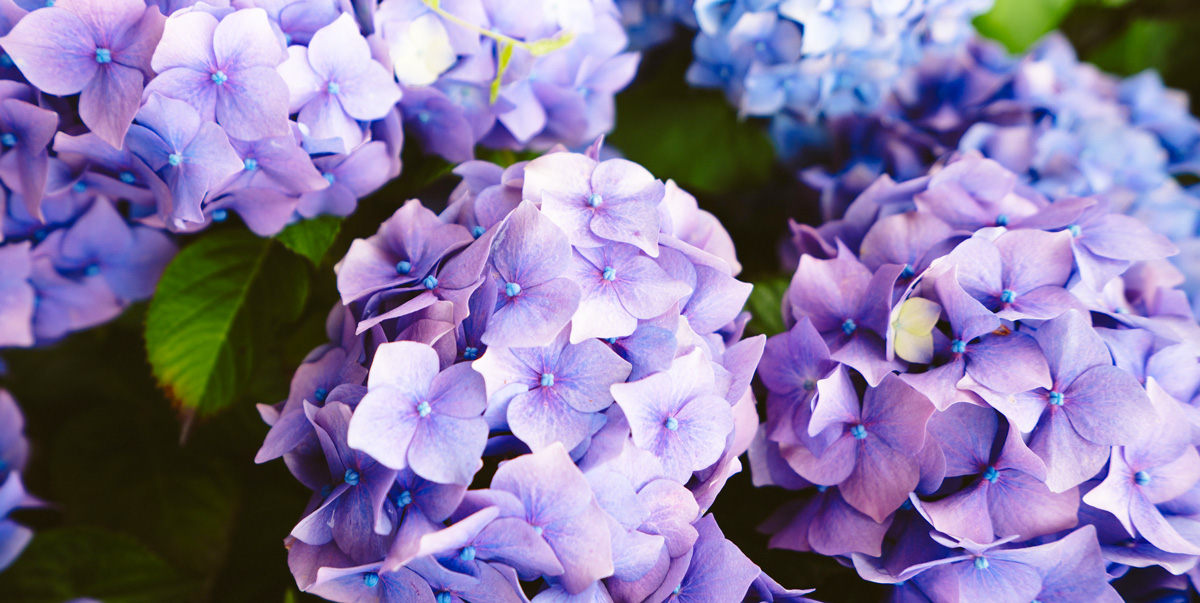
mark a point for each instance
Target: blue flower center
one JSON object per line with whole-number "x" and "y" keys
{"x": 8, "y": 139}
{"x": 594, "y": 200}
{"x": 79, "y": 187}
{"x": 430, "y": 282}
{"x": 981, "y": 563}
{"x": 907, "y": 272}
{"x": 424, "y": 117}
{"x": 333, "y": 88}
{"x": 958, "y": 346}
{"x": 477, "y": 231}
{"x": 1008, "y": 296}
{"x": 470, "y": 353}
{"x": 859, "y": 432}
{"x": 1074, "y": 230}
{"x": 547, "y": 380}
{"x": 677, "y": 589}
{"x": 403, "y": 267}
{"x": 991, "y": 475}
{"x": 127, "y": 177}
{"x": 321, "y": 394}
{"x": 329, "y": 177}
{"x": 174, "y": 159}
{"x": 1002, "y": 220}
{"x": 6, "y": 61}
{"x": 467, "y": 554}
{"x": 92, "y": 270}
{"x": 1142, "y": 478}
{"x": 351, "y": 477}
{"x": 103, "y": 56}
{"x": 610, "y": 273}
{"x": 1056, "y": 398}
{"x": 423, "y": 409}
{"x": 809, "y": 385}
{"x": 250, "y": 164}
{"x": 219, "y": 215}
{"x": 219, "y": 77}
{"x": 444, "y": 597}
{"x": 537, "y": 530}
{"x": 512, "y": 289}
{"x": 611, "y": 340}
{"x": 404, "y": 499}
{"x": 849, "y": 327}
{"x": 822, "y": 489}
{"x": 671, "y": 423}
{"x": 370, "y": 579}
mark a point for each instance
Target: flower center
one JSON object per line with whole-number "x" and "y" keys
{"x": 822, "y": 489}
{"x": 6, "y": 61}
{"x": 477, "y": 231}
{"x": 79, "y": 187}
{"x": 470, "y": 353}
{"x": 991, "y": 474}
{"x": 537, "y": 530}
{"x": 403, "y": 267}
{"x": 859, "y": 432}
{"x": 103, "y": 56}
{"x": 444, "y": 597}
{"x": 423, "y": 409}
{"x": 219, "y": 215}
{"x": 92, "y": 270}
{"x": 1142, "y": 478}
{"x": 1074, "y": 230}
{"x": 1002, "y": 220}
{"x": 594, "y": 200}
{"x": 671, "y": 423}
{"x": 370, "y": 579}
{"x": 430, "y": 282}
{"x": 907, "y": 272}
{"x": 677, "y": 589}
{"x": 329, "y": 177}
{"x": 809, "y": 385}
{"x": 351, "y": 477}
{"x": 849, "y": 327}
{"x": 981, "y": 563}
{"x": 321, "y": 394}
{"x": 219, "y": 77}
{"x": 958, "y": 346}
{"x": 333, "y": 88}
{"x": 547, "y": 380}
{"x": 610, "y": 273}
{"x": 404, "y": 499}
{"x": 1056, "y": 398}
{"x": 1007, "y": 296}
{"x": 174, "y": 159}
{"x": 512, "y": 289}
{"x": 250, "y": 164}
{"x": 127, "y": 177}
{"x": 8, "y": 139}
{"x": 467, "y": 554}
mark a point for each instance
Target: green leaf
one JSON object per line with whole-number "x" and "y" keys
{"x": 311, "y": 238}
{"x": 766, "y": 305}
{"x": 548, "y": 45}
{"x": 1145, "y": 44}
{"x": 66, "y": 563}
{"x": 1019, "y": 23}
{"x": 218, "y": 301}
{"x": 506, "y": 50}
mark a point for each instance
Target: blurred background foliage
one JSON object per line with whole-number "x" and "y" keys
{"x": 157, "y": 503}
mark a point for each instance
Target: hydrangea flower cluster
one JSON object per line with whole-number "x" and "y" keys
{"x": 545, "y": 382}
{"x": 653, "y": 22}
{"x": 14, "y": 452}
{"x": 799, "y": 60}
{"x": 122, "y": 120}
{"x": 983, "y": 394}
{"x": 1066, "y": 128}
{"x": 497, "y": 73}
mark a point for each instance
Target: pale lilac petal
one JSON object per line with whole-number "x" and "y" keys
{"x": 54, "y": 49}
{"x": 109, "y": 102}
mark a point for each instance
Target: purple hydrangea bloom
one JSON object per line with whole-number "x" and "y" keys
{"x": 225, "y": 70}
{"x": 98, "y": 49}
{"x": 14, "y": 452}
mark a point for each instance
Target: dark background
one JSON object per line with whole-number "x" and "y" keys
{"x": 150, "y": 507}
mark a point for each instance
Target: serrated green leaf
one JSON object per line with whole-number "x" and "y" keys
{"x": 71, "y": 562}
{"x": 1019, "y": 23}
{"x": 548, "y": 45}
{"x": 765, "y": 305}
{"x": 506, "y": 50}
{"x": 219, "y": 300}
{"x": 311, "y": 238}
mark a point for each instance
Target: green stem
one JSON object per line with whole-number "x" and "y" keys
{"x": 499, "y": 37}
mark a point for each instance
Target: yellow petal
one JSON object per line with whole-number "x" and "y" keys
{"x": 914, "y": 348}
